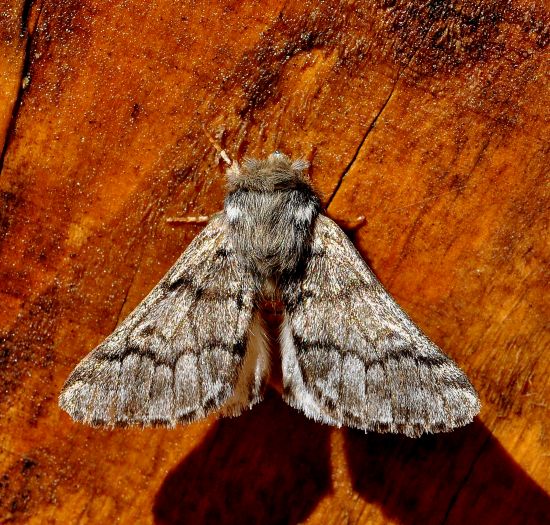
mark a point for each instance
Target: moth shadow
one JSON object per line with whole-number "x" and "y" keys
{"x": 270, "y": 466}
{"x": 465, "y": 476}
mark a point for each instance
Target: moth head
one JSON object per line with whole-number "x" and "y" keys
{"x": 276, "y": 172}
{"x": 277, "y": 158}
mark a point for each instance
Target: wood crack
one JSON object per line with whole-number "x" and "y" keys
{"x": 27, "y": 37}
{"x": 464, "y": 481}
{"x": 377, "y": 116}
{"x": 362, "y": 142}
{"x": 134, "y": 274}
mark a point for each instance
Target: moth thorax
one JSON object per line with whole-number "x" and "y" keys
{"x": 271, "y": 230}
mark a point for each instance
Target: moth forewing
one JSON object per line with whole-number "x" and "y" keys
{"x": 179, "y": 355}
{"x": 355, "y": 358}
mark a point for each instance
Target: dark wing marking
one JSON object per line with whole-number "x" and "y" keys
{"x": 184, "y": 352}
{"x": 352, "y": 357}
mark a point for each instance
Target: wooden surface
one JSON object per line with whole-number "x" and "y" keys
{"x": 429, "y": 118}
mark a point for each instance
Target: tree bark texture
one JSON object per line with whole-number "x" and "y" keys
{"x": 430, "y": 118}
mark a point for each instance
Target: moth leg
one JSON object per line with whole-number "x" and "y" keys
{"x": 348, "y": 225}
{"x": 194, "y": 219}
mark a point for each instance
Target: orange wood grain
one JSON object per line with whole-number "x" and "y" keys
{"x": 428, "y": 118}
{"x": 13, "y": 40}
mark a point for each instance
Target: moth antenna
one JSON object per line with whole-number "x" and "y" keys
{"x": 219, "y": 149}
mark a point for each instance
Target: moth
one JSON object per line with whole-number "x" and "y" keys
{"x": 196, "y": 344}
